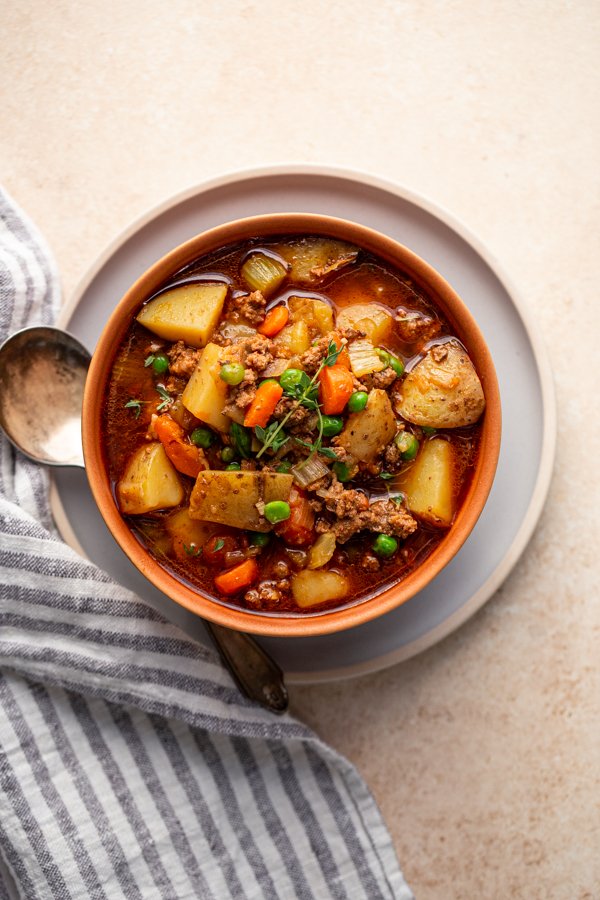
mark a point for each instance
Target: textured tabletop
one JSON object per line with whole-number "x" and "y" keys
{"x": 484, "y": 752}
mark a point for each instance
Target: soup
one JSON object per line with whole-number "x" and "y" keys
{"x": 291, "y": 425}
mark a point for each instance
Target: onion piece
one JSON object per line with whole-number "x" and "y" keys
{"x": 308, "y": 471}
{"x": 322, "y": 550}
{"x": 263, "y": 273}
{"x": 276, "y": 368}
{"x": 364, "y": 359}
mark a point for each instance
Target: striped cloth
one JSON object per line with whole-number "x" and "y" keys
{"x": 130, "y": 766}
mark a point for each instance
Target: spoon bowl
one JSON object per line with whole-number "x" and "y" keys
{"x": 42, "y": 376}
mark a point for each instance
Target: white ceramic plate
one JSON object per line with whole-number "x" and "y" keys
{"x": 529, "y": 420}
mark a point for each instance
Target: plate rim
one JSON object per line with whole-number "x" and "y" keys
{"x": 548, "y": 396}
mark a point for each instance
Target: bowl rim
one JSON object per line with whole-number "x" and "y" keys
{"x": 465, "y": 328}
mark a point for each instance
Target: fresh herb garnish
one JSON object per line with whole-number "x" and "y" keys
{"x": 192, "y": 550}
{"x": 149, "y": 360}
{"x": 218, "y": 545}
{"x": 272, "y": 436}
{"x": 165, "y": 397}
{"x": 305, "y": 395}
{"x": 386, "y": 475}
{"x": 136, "y": 405}
{"x": 316, "y": 448}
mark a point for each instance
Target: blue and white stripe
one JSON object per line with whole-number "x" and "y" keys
{"x": 130, "y": 766}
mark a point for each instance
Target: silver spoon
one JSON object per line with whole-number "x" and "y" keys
{"x": 42, "y": 376}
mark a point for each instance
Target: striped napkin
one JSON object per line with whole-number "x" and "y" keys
{"x": 130, "y": 766}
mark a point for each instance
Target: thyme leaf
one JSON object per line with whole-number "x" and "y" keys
{"x": 165, "y": 397}
{"x": 219, "y": 545}
{"x": 136, "y": 405}
{"x": 192, "y": 550}
{"x": 149, "y": 360}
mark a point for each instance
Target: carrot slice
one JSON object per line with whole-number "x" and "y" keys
{"x": 238, "y": 578}
{"x": 275, "y": 320}
{"x": 337, "y": 386}
{"x": 184, "y": 456}
{"x": 263, "y": 406}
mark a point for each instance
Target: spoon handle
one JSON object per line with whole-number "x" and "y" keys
{"x": 256, "y": 674}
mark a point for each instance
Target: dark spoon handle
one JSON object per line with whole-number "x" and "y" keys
{"x": 257, "y": 675}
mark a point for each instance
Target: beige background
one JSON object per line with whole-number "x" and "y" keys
{"x": 484, "y": 753}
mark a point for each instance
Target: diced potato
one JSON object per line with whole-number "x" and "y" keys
{"x": 374, "y": 320}
{"x": 293, "y": 339}
{"x": 149, "y": 482}
{"x": 317, "y": 314}
{"x": 311, "y": 588}
{"x": 231, "y": 498}
{"x": 187, "y": 533}
{"x": 188, "y": 313}
{"x": 312, "y": 259}
{"x": 443, "y": 390}
{"x": 322, "y": 550}
{"x": 428, "y": 484}
{"x": 368, "y": 431}
{"x": 205, "y": 394}
{"x": 263, "y": 273}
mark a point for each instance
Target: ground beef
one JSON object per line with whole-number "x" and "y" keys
{"x": 412, "y": 326}
{"x": 439, "y": 352}
{"x": 175, "y": 385}
{"x": 266, "y": 595}
{"x": 312, "y": 358}
{"x": 250, "y": 307}
{"x": 302, "y": 422}
{"x": 354, "y": 513}
{"x": 381, "y": 379}
{"x": 392, "y": 456}
{"x": 370, "y": 562}
{"x": 183, "y": 360}
{"x": 257, "y": 353}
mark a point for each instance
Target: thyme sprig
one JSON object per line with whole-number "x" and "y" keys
{"x": 136, "y": 405}
{"x": 165, "y": 398}
{"x": 270, "y": 437}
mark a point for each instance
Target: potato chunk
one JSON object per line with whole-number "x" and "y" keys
{"x": 187, "y": 533}
{"x": 149, "y": 482}
{"x": 312, "y": 259}
{"x": 293, "y": 339}
{"x": 309, "y": 588}
{"x": 367, "y": 432}
{"x": 188, "y": 313}
{"x": 375, "y": 321}
{"x": 317, "y": 314}
{"x": 443, "y": 390}
{"x": 231, "y": 498}
{"x": 205, "y": 394}
{"x": 428, "y": 484}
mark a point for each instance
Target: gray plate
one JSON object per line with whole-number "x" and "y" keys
{"x": 529, "y": 420}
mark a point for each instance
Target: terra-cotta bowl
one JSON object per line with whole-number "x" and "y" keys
{"x": 464, "y": 327}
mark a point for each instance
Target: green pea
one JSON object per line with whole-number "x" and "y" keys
{"x": 242, "y": 439}
{"x": 160, "y": 364}
{"x": 227, "y": 454}
{"x": 332, "y": 425}
{"x": 383, "y": 355}
{"x": 277, "y": 511}
{"x": 384, "y": 545}
{"x": 232, "y": 373}
{"x": 407, "y": 444}
{"x": 284, "y": 467}
{"x": 258, "y": 539}
{"x": 290, "y": 379}
{"x": 342, "y": 471}
{"x": 397, "y": 365}
{"x": 358, "y": 401}
{"x": 202, "y": 437}
{"x": 233, "y": 467}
